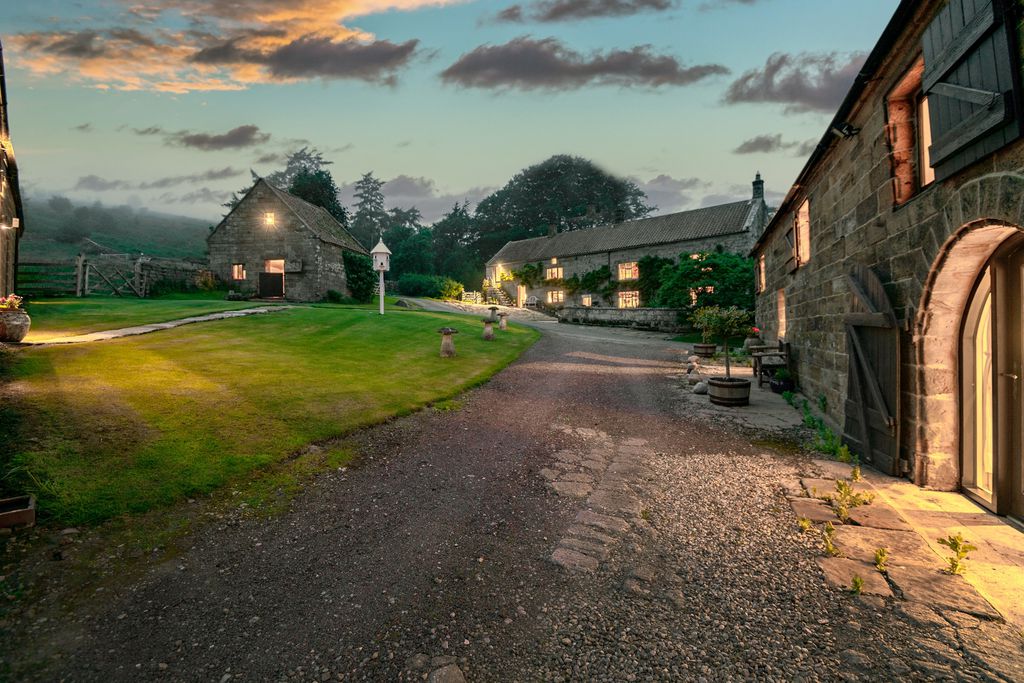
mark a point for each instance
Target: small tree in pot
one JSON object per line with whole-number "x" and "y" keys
{"x": 727, "y": 323}
{"x": 702, "y": 319}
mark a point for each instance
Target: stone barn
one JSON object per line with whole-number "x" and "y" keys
{"x": 275, "y": 245}
{"x": 12, "y": 216}
{"x": 895, "y": 265}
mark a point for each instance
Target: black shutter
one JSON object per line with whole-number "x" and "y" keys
{"x": 971, "y": 77}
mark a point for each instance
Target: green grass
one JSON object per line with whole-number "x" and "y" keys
{"x": 68, "y": 316}
{"x": 99, "y": 430}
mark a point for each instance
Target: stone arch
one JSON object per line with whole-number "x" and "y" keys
{"x": 935, "y": 384}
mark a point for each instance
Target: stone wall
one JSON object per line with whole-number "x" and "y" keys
{"x": 661, "y": 319}
{"x": 312, "y": 266}
{"x": 8, "y": 214}
{"x": 927, "y": 253}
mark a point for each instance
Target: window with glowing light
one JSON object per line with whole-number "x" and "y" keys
{"x": 762, "y": 275}
{"x": 629, "y": 271}
{"x": 587, "y": 300}
{"x": 629, "y": 299}
{"x": 780, "y": 311}
{"x": 553, "y": 273}
{"x": 803, "y": 233}
{"x": 697, "y": 291}
{"x": 556, "y": 296}
{"x": 269, "y": 219}
{"x": 238, "y": 271}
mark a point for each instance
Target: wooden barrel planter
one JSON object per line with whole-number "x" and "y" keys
{"x": 19, "y": 511}
{"x": 14, "y": 325}
{"x": 705, "y": 350}
{"x": 724, "y": 391}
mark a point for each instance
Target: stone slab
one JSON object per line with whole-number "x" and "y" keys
{"x": 573, "y": 561}
{"x": 604, "y": 522}
{"x": 878, "y": 516}
{"x": 839, "y": 572}
{"x": 905, "y": 548}
{"x": 591, "y": 534}
{"x": 447, "y": 674}
{"x": 934, "y": 587}
{"x": 814, "y": 510}
{"x": 568, "y": 457}
{"x": 581, "y": 477}
{"x": 549, "y": 474}
{"x": 615, "y": 501}
{"x": 576, "y": 489}
{"x": 595, "y": 550}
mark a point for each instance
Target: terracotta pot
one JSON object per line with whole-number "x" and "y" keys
{"x": 705, "y": 350}
{"x": 725, "y": 391}
{"x": 14, "y": 325}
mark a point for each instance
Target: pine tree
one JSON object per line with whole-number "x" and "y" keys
{"x": 370, "y": 218}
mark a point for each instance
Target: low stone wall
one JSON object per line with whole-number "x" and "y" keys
{"x": 661, "y": 319}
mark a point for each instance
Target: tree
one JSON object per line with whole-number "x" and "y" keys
{"x": 370, "y": 217}
{"x": 411, "y": 243}
{"x": 564, "y": 192}
{"x": 652, "y": 272}
{"x": 318, "y": 187}
{"x": 308, "y": 159}
{"x": 60, "y": 204}
{"x": 359, "y": 276}
{"x": 708, "y": 279}
{"x": 453, "y": 256}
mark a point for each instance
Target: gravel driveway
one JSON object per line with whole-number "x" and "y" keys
{"x": 436, "y": 553}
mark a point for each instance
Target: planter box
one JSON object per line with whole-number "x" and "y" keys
{"x": 705, "y": 350}
{"x": 14, "y": 325}
{"x": 17, "y": 511}
{"x": 729, "y": 392}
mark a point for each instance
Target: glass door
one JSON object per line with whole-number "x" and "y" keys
{"x": 978, "y": 398}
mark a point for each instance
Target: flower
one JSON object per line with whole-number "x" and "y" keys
{"x": 755, "y": 330}
{"x": 10, "y": 303}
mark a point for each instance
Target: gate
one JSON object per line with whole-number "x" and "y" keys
{"x": 872, "y": 427}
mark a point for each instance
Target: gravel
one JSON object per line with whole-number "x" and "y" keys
{"x": 431, "y": 558}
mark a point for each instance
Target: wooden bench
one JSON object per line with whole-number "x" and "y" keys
{"x": 531, "y": 301}
{"x": 769, "y": 358}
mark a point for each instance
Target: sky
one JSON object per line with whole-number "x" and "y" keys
{"x": 168, "y": 104}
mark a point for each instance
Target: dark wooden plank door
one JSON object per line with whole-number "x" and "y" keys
{"x": 271, "y": 285}
{"x": 872, "y": 428}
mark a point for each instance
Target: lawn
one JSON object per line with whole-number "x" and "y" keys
{"x": 124, "y": 426}
{"x": 68, "y": 316}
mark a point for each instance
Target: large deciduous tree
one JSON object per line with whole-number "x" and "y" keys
{"x": 708, "y": 279}
{"x": 318, "y": 187}
{"x": 307, "y": 159}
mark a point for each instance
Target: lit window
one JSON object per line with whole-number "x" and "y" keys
{"x": 803, "y": 233}
{"x": 762, "y": 275}
{"x": 273, "y": 266}
{"x": 238, "y": 271}
{"x": 629, "y": 299}
{"x": 269, "y": 219}
{"x": 924, "y": 141}
{"x": 780, "y": 312}
{"x": 696, "y": 291}
{"x": 629, "y": 271}
{"x": 553, "y": 273}
{"x": 554, "y": 261}
{"x": 587, "y": 300}
{"x": 556, "y": 296}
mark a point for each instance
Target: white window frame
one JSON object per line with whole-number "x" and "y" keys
{"x": 632, "y": 269}
{"x": 631, "y": 296}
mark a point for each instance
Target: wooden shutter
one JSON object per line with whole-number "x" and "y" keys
{"x": 971, "y": 77}
{"x": 872, "y": 428}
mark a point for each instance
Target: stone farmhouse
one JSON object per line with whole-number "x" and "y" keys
{"x": 12, "y": 216}
{"x": 895, "y": 265}
{"x": 275, "y": 245}
{"x": 732, "y": 227}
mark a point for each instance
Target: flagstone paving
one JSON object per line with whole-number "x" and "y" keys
{"x": 577, "y": 519}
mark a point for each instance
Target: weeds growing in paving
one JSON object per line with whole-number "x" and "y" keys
{"x": 830, "y": 546}
{"x": 882, "y": 559}
{"x": 805, "y": 524}
{"x": 856, "y": 585}
{"x": 961, "y": 548}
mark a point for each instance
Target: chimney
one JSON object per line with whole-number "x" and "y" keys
{"x": 758, "y": 187}
{"x": 552, "y": 229}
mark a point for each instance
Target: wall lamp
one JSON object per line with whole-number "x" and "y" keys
{"x": 845, "y": 130}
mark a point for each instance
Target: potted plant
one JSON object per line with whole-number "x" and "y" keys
{"x": 782, "y": 381}
{"x": 701, "y": 319}
{"x": 14, "y": 321}
{"x": 753, "y": 339}
{"x": 727, "y": 323}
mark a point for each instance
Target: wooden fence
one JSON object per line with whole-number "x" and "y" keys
{"x": 107, "y": 274}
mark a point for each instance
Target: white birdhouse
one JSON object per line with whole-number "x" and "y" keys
{"x": 381, "y": 257}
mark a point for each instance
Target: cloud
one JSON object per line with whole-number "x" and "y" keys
{"x": 405, "y": 191}
{"x": 547, "y": 11}
{"x": 94, "y": 183}
{"x": 209, "y": 45}
{"x": 83, "y": 128}
{"x": 769, "y": 144}
{"x": 528, "y": 64}
{"x": 670, "y": 194}
{"x": 722, "y": 4}
{"x": 802, "y": 82}
{"x": 236, "y": 138}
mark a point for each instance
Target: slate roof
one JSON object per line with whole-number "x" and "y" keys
{"x": 318, "y": 220}
{"x": 713, "y": 221}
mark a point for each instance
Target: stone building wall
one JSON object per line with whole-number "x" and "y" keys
{"x": 661, "y": 319}
{"x": 312, "y": 266}
{"x": 927, "y": 253}
{"x": 8, "y": 214}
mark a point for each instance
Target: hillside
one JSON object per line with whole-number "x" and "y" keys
{"x": 55, "y": 228}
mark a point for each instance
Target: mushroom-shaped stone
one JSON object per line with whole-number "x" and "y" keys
{"x": 503, "y": 321}
{"x": 488, "y": 329}
{"x": 494, "y": 312}
{"x": 447, "y": 343}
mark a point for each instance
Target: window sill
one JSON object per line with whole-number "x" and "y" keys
{"x": 923, "y": 192}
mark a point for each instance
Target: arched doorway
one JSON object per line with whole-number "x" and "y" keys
{"x": 991, "y": 364}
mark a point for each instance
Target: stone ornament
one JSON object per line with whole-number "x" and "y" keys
{"x": 488, "y": 329}
{"x": 447, "y": 342}
{"x": 503, "y": 321}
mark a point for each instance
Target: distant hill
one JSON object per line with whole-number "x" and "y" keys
{"x": 56, "y": 228}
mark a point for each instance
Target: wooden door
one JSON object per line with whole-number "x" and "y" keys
{"x": 872, "y": 428}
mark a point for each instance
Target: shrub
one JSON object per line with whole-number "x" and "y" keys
{"x": 713, "y": 278}
{"x": 334, "y": 296}
{"x": 360, "y": 276}
{"x": 417, "y": 284}
{"x": 450, "y": 289}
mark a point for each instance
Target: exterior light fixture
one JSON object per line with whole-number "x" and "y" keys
{"x": 269, "y": 219}
{"x": 382, "y": 264}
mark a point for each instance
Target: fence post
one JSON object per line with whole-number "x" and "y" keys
{"x": 80, "y": 275}
{"x": 138, "y": 278}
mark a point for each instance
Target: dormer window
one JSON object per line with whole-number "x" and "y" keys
{"x": 269, "y": 219}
